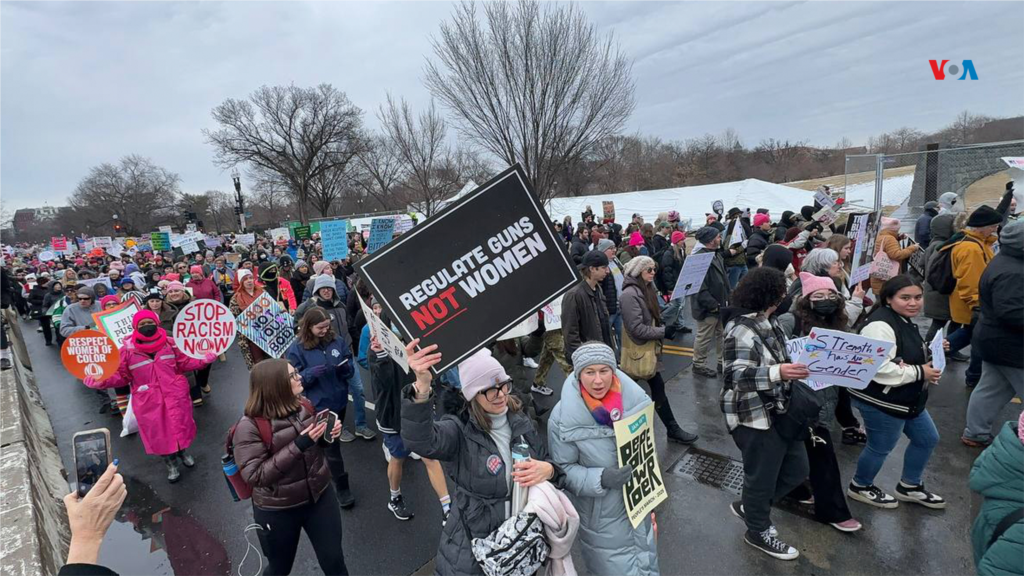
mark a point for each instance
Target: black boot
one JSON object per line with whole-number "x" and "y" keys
{"x": 677, "y": 434}
{"x": 345, "y": 498}
{"x": 173, "y": 473}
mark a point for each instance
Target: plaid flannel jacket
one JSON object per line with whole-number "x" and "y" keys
{"x": 752, "y": 376}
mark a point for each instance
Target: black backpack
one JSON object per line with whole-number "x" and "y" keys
{"x": 940, "y": 270}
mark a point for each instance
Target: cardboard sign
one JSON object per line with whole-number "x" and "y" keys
{"x": 381, "y": 232}
{"x": 695, "y": 268}
{"x": 334, "y": 239}
{"x": 266, "y": 324}
{"x": 59, "y": 243}
{"x": 608, "y": 208}
{"x": 90, "y": 353}
{"x": 161, "y": 241}
{"x": 204, "y": 326}
{"x": 116, "y": 323}
{"x": 843, "y": 359}
{"x": 388, "y": 340}
{"x": 634, "y": 446}
{"x": 461, "y": 291}
{"x": 938, "y": 352}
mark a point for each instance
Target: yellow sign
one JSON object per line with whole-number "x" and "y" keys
{"x": 634, "y": 444}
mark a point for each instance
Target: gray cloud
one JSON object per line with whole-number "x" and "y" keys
{"x": 84, "y": 83}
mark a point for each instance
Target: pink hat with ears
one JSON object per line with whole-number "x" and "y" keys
{"x": 636, "y": 239}
{"x": 890, "y": 224}
{"x": 809, "y": 283}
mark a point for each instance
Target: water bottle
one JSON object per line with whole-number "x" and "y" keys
{"x": 239, "y": 489}
{"x": 520, "y": 453}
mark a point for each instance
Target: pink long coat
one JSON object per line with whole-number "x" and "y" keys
{"x": 160, "y": 399}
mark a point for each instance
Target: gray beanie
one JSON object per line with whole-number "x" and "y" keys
{"x": 707, "y": 234}
{"x": 604, "y": 244}
{"x": 1012, "y": 237}
{"x": 590, "y": 354}
{"x": 324, "y": 281}
{"x": 86, "y": 291}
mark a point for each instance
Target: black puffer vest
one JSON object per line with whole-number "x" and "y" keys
{"x": 908, "y": 400}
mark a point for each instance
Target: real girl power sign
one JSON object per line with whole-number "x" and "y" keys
{"x": 473, "y": 271}
{"x": 204, "y": 326}
{"x": 90, "y": 353}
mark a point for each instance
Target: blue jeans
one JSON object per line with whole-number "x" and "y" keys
{"x": 355, "y": 388}
{"x": 736, "y": 273}
{"x": 883, "y": 433}
{"x": 958, "y": 340}
{"x": 671, "y": 313}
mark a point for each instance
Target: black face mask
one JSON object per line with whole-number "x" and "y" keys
{"x": 825, "y": 307}
{"x": 149, "y": 330}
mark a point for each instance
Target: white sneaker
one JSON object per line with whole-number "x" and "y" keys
{"x": 530, "y": 363}
{"x": 542, "y": 390}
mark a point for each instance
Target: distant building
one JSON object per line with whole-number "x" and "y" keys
{"x": 24, "y": 219}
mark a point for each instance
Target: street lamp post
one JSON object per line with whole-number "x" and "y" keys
{"x": 239, "y": 201}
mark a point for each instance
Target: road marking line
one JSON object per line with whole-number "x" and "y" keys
{"x": 677, "y": 353}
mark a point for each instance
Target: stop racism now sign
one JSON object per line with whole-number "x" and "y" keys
{"x": 204, "y": 326}
{"x": 90, "y": 353}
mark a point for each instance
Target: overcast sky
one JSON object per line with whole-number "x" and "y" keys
{"x": 87, "y": 82}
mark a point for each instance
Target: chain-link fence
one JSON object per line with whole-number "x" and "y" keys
{"x": 900, "y": 184}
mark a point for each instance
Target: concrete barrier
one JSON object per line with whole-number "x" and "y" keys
{"x": 34, "y": 533}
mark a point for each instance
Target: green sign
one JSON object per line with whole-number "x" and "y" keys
{"x": 161, "y": 241}
{"x": 302, "y": 232}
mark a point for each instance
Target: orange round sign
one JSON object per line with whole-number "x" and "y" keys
{"x": 90, "y": 353}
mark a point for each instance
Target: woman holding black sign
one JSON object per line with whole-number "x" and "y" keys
{"x": 582, "y": 441}
{"x": 478, "y": 444}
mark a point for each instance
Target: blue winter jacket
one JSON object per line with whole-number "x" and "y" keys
{"x": 330, "y": 389}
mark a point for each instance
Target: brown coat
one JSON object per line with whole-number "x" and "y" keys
{"x": 887, "y": 242}
{"x": 283, "y": 476}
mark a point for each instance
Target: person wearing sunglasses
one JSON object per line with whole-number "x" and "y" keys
{"x": 477, "y": 443}
{"x": 78, "y": 316}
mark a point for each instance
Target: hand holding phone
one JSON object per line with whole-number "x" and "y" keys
{"x": 91, "y": 516}
{"x": 91, "y": 452}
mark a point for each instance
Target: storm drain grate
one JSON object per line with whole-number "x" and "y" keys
{"x": 711, "y": 469}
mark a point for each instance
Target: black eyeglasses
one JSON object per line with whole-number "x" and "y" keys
{"x": 491, "y": 394}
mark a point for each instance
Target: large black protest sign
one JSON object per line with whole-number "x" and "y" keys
{"x": 473, "y": 271}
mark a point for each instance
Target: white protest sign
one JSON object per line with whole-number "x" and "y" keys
{"x": 91, "y": 282}
{"x": 692, "y": 275}
{"x": 524, "y": 328}
{"x": 166, "y": 229}
{"x": 822, "y": 197}
{"x": 827, "y": 216}
{"x": 279, "y": 235}
{"x": 117, "y": 322}
{"x": 843, "y": 359}
{"x": 116, "y": 250}
{"x": 795, "y": 347}
{"x": 634, "y": 447}
{"x": 738, "y": 236}
{"x": 204, "y": 326}
{"x": 388, "y": 340}
{"x": 189, "y": 247}
{"x": 47, "y": 255}
{"x": 102, "y": 242}
{"x": 211, "y": 241}
{"x": 246, "y": 239}
{"x": 938, "y": 352}
{"x": 553, "y": 315}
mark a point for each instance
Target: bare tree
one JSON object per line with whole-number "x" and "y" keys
{"x": 379, "y": 169}
{"x": 532, "y": 85}
{"x": 297, "y": 133}
{"x": 906, "y": 139}
{"x": 434, "y": 170}
{"x": 135, "y": 189}
{"x": 220, "y": 215}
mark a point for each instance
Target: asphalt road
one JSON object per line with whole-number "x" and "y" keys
{"x": 193, "y": 527}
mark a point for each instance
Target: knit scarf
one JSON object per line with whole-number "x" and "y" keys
{"x": 608, "y": 409}
{"x": 151, "y": 345}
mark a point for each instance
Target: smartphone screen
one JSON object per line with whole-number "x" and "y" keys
{"x": 321, "y": 416}
{"x": 92, "y": 456}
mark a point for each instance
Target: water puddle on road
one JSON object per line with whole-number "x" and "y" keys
{"x": 150, "y": 537}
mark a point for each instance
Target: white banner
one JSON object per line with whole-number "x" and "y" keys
{"x": 695, "y": 268}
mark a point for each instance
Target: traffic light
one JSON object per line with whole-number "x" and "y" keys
{"x": 118, "y": 228}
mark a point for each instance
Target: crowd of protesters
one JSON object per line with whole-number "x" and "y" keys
{"x": 770, "y": 280}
